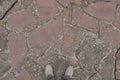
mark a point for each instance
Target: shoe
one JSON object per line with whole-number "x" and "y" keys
{"x": 68, "y": 73}
{"x": 49, "y": 72}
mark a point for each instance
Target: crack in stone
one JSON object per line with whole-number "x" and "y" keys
{"x": 115, "y": 63}
{"x": 8, "y": 10}
{"x": 60, "y": 4}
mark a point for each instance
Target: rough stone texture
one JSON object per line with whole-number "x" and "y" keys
{"x": 41, "y": 39}
{"x": 102, "y": 10}
{"x": 81, "y": 33}
{"x": 5, "y": 6}
{"x": 71, "y": 40}
{"x": 109, "y": 34}
{"x": 87, "y": 22}
{"x": 18, "y": 49}
{"x": 21, "y": 19}
{"x": 46, "y": 9}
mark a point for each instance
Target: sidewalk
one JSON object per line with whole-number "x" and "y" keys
{"x": 81, "y": 33}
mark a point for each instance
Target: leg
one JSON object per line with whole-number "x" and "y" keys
{"x": 68, "y": 73}
{"x": 49, "y": 72}
{"x": 66, "y": 78}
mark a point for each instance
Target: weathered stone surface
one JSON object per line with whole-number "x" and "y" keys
{"x": 102, "y": 10}
{"x": 21, "y": 20}
{"x": 72, "y": 39}
{"x": 87, "y": 22}
{"x": 18, "y": 49}
{"x": 41, "y": 39}
{"x": 5, "y": 5}
{"x": 109, "y": 34}
{"x": 46, "y": 9}
{"x": 81, "y": 33}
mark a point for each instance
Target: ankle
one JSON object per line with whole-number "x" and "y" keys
{"x": 50, "y": 77}
{"x": 66, "y": 77}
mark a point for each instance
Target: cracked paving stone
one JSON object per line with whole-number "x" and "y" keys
{"x": 90, "y": 58}
{"x": 72, "y": 38}
{"x": 87, "y": 22}
{"x": 102, "y": 10}
{"x": 5, "y": 5}
{"x": 44, "y": 37}
{"x": 107, "y": 67}
{"x": 109, "y": 35}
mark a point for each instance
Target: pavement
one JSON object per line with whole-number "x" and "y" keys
{"x": 81, "y": 33}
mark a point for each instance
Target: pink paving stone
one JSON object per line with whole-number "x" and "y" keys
{"x": 89, "y": 23}
{"x": 109, "y": 35}
{"x": 46, "y": 8}
{"x": 46, "y": 13}
{"x": 47, "y": 34}
{"x": 86, "y": 21}
{"x": 112, "y": 38}
{"x": 43, "y": 3}
{"x": 21, "y": 19}
{"x": 18, "y": 49}
{"x": 72, "y": 38}
{"x": 24, "y": 75}
{"x": 102, "y": 10}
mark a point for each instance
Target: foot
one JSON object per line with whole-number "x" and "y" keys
{"x": 49, "y": 72}
{"x": 68, "y": 74}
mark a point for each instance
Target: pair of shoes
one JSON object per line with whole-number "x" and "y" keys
{"x": 50, "y": 75}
